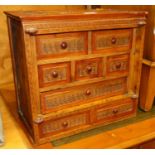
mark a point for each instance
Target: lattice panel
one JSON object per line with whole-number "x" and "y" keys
{"x": 118, "y": 66}
{"x": 88, "y": 68}
{"x": 103, "y": 114}
{"x": 105, "y": 42}
{"x": 64, "y": 123}
{"x": 61, "y": 44}
{"x": 54, "y": 100}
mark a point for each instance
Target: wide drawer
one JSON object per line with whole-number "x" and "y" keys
{"x": 60, "y": 45}
{"x": 118, "y": 64}
{"x": 111, "y": 40}
{"x": 116, "y": 110}
{"x": 54, "y": 74}
{"x": 64, "y": 124}
{"x": 88, "y": 68}
{"x": 55, "y": 100}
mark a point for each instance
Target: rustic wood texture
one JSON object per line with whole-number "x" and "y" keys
{"x": 124, "y": 137}
{"x": 5, "y": 58}
{"x": 58, "y": 112}
{"x": 147, "y": 91}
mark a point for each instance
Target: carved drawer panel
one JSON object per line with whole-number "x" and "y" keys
{"x": 118, "y": 64}
{"x": 64, "y": 124}
{"x": 90, "y": 68}
{"x": 54, "y": 100}
{"x": 112, "y": 40}
{"x": 115, "y": 111}
{"x": 60, "y": 45}
{"x": 52, "y": 74}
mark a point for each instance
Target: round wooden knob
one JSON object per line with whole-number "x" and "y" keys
{"x": 89, "y": 69}
{"x": 63, "y": 45}
{"x": 88, "y": 92}
{"x": 54, "y": 74}
{"x": 113, "y": 40}
{"x": 65, "y": 124}
{"x": 118, "y": 65}
{"x": 115, "y": 111}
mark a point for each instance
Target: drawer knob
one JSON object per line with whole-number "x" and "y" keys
{"x": 115, "y": 111}
{"x": 54, "y": 74}
{"x": 89, "y": 69}
{"x": 63, "y": 45}
{"x": 118, "y": 65}
{"x": 88, "y": 92}
{"x": 113, "y": 40}
{"x": 65, "y": 124}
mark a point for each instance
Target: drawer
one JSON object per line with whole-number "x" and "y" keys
{"x": 117, "y": 65}
{"x": 53, "y": 74}
{"x": 116, "y": 110}
{"x": 60, "y": 45}
{"x": 56, "y": 100}
{"x": 90, "y": 68}
{"x": 65, "y": 124}
{"x": 111, "y": 40}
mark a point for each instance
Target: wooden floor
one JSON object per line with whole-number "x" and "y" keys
{"x": 125, "y": 137}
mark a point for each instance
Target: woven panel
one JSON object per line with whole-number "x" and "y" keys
{"x": 61, "y": 44}
{"x": 58, "y": 125}
{"x": 121, "y": 109}
{"x": 76, "y": 95}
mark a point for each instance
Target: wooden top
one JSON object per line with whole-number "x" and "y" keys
{"x": 36, "y": 15}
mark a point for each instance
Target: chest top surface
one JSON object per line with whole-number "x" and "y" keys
{"x": 37, "y": 15}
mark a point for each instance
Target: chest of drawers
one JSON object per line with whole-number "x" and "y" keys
{"x": 75, "y": 71}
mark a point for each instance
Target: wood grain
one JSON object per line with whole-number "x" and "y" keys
{"x": 36, "y": 29}
{"x": 5, "y": 58}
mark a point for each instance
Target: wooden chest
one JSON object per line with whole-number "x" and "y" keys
{"x": 75, "y": 71}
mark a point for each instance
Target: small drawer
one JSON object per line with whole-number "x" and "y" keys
{"x": 56, "y": 100}
{"x": 116, "y": 110}
{"x": 111, "y": 40}
{"x": 117, "y": 65}
{"x": 65, "y": 124}
{"x": 60, "y": 45}
{"x": 53, "y": 74}
{"x": 90, "y": 68}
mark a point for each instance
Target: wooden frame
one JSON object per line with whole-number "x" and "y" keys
{"x": 29, "y": 25}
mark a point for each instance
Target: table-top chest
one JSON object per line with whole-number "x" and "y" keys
{"x": 75, "y": 70}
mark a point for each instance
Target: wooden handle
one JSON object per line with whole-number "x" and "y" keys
{"x": 54, "y": 74}
{"x": 63, "y": 45}
{"x": 115, "y": 111}
{"x": 88, "y": 92}
{"x": 118, "y": 66}
{"x": 89, "y": 69}
{"x": 65, "y": 124}
{"x": 113, "y": 40}
{"x": 31, "y": 30}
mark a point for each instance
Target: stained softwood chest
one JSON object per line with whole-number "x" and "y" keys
{"x": 75, "y": 71}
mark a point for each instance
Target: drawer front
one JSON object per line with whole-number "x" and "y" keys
{"x": 115, "y": 111}
{"x": 64, "y": 124}
{"x": 55, "y": 100}
{"x": 112, "y": 40}
{"x": 52, "y": 74}
{"x": 61, "y": 44}
{"x": 91, "y": 68}
{"x": 118, "y": 64}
